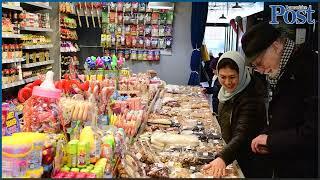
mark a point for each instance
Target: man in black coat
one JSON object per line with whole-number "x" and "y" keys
{"x": 292, "y": 75}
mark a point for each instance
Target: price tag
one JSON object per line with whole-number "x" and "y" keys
{"x": 205, "y": 154}
{"x": 193, "y": 168}
{"x": 139, "y": 156}
{"x": 215, "y": 141}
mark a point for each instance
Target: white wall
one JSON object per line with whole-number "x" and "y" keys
{"x": 173, "y": 69}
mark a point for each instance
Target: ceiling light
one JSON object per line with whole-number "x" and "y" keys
{"x": 161, "y": 5}
{"x": 236, "y": 6}
{"x": 222, "y": 17}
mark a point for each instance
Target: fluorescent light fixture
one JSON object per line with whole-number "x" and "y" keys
{"x": 236, "y": 6}
{"x": 161, "y": 5}
{"x": 222, "y": 17}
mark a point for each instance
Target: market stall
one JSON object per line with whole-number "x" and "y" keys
{"x": 104, "y": 122}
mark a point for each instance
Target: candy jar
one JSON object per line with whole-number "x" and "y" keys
{"x": 41, "y": 111}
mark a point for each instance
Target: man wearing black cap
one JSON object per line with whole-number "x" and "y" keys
{"x": 292, "y": 75}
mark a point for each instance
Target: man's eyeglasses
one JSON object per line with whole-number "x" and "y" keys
{"x": 257, "y": 62}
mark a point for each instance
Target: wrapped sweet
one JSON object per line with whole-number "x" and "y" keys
{"x": 42, "y": 112}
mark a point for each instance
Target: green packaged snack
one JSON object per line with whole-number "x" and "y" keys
{"x": 169, "y": 17}
{"x": 72, "y": 149}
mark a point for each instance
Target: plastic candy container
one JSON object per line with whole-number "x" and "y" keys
{"x": 35, "y": 156}
{"x": 41, "y": 111}
{"x": 15, "y": 151}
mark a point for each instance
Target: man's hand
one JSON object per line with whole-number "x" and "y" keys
{"x": 259, "y": 144}
{"x": 217, "y": 167}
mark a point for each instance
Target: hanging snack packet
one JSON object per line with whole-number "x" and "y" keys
{"x": 147, "y": 18}
{"x": 154, "y": 18}
{"x": 127, "y": 29}
{"x": 150, "y": 55}
{"x": 127, "y": 7}
{"x": 133, "y": 55}
{"x": 127, "y": 54}
{"x": 113, "y": 40}
{"x": 155, "y": 30}
{"x": 147, "y": 42}
{"x": 118, "y": 43}
{"x": 112, "y": 28}
{"x": 145, "y": 55}
{"x": 169, "y": 42}
{"x": 154, "y": 43}
{"x": 108, "y": 43}
{"x": 140, "y": 42}
{"x": 162, "y": 44}
{"x": 120, "y": 6}
{"x": 142, "y": 7}
{"x": 148, "y": 30}
{"x": 135, "y": 6}
{"x": 134, "y": 41}
{"x": 163, "y": 18}
{"x": 169, "y": 17}
{"x": 140, "y": 29}
{"x": 119, "y": 29}
{"x": 140, "y": 55}
{"x": 123, "y": 40}
{"x": 134, "y": 19}
{"x": 133, "y": 29}
{"x": 112, "y": 17}
{"x": 120, "y": 18}
{"x": 156, "y": 55}
{"x": 127, "y": 18}
{"x": 161, "y": 30}
{"x": 140, "y": 18}
{"x": 120, "y": 54}
{"x": 168, "y": 30}
{"x": 112, "y": 6}
{"x": 128, "y": 41}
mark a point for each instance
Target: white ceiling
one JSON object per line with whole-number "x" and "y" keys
{"x": 216, "y": 9}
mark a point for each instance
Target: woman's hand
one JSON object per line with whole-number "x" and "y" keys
{"x": 217, "y": 167}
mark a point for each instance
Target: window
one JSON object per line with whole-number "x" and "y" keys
{"x": 214, "y": 38}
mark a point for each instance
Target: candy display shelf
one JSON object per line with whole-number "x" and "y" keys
{"x": 35, "y": 5}
{"x": 36, "y": 29}
{"x": 16, "y": 8}
{"x": 38, "y": 46}
{"x": 14, "y": 84}
{"x": 16, "y": 36}
{"x": 5, "y": 61}
{"x": 30, "y": 65}
{"x": 31, "y": 79}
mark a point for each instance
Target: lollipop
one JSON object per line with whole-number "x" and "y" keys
{"x": 114, "y": 62}
{"x": 93, "y": 58}
{"x": 121, "y": 61}
{"x": 91, "y": 64}
{"x": 99, "y": 63}
{"x": 106, "y": 60}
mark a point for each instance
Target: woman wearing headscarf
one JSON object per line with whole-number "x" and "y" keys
{"x": 241, "y": 115}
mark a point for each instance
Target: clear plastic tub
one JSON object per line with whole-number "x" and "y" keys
{"x": 15, "y": 151}
{"x": 35, "y": 157}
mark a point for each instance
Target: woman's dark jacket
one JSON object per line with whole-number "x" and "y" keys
{"x": 247, "y": 114}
